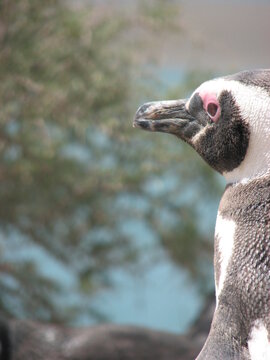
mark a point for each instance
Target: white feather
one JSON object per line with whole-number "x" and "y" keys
{"x": 258, "y": 344}
{"x": 225, "y": 230}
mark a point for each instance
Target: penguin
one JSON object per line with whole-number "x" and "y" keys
{"x": 227, "y": 122}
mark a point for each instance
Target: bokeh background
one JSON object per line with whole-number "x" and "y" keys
{"x": 100, "y": 221}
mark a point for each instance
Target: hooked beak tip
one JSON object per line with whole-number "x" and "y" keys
{"x": 141, "y": 123}
{"x": 142, "y": 120}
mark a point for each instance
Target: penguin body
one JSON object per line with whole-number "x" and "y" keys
{"x": 227, "y": 121}
{"x": 242, "y": 268}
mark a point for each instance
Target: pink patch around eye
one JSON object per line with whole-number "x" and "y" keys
{"x": 211, "y": 105}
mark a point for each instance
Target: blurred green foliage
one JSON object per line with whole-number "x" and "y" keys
{"x": 69, "y": 156}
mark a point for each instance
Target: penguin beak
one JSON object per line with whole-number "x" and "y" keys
{"x": 166, "y": 116}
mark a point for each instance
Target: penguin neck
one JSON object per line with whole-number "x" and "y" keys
{"x": 256, "y": 164}
{"x": 256, "y": 169}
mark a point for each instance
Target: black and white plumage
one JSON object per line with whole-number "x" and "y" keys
{"x": 227, "y": 121}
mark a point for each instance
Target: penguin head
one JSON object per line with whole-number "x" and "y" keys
{"x": 226, "y": 120}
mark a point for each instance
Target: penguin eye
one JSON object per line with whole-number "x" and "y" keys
{"x": 210, "y": 105}
{"x": 212, "y": 109}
